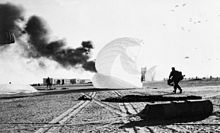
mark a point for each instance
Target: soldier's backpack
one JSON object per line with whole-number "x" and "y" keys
{"x": 179, "y": 75}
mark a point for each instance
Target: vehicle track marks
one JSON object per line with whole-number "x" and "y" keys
{"x": 61, "y": 119}
{"x": 130, "y": 109}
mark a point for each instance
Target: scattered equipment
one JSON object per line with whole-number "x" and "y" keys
{"x": 85, "y": 97}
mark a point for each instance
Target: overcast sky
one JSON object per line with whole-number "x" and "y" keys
{"x": 180, "y": 33}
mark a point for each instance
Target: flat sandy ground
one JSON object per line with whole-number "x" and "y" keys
{"x": 36, "y": 111}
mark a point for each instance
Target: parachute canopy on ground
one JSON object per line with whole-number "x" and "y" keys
{"x": 150, "y": 74}
{"x": 104, "y": 81}
{"x": 116, "y": 64}
{"x": 16, "y": 88}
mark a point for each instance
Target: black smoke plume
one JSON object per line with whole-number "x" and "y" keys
{"x": 41, "y": 47}
{"x": 38, "y": 40}
{"x": 90, "y": 66}
{"x": 10, "y": 15}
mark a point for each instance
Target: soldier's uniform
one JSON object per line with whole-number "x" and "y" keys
{"x": 175, "y": 77}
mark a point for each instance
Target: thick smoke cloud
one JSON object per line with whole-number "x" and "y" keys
{"x": 10, "y": 15}
{"x": 39, "y": 44}
{"x": 38, "y": 39}
{"x": 90, "y": 66}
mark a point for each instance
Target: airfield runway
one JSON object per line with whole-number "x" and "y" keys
{"x": 63, "y": 112}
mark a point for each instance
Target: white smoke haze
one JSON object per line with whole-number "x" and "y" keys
{"x": 28, "y": 52}
{"x": 16, "y": 88}
{"x": 16, "y": 68}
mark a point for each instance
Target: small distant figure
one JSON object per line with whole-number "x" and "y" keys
{"x": 142, "y": 78}
{"x": 143, "y": 73}
{"x": 9, "y": 82}
{"x": 48, "y": 83}
{"x": 174, "y": 78}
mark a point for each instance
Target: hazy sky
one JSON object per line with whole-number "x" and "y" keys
{"x": 180, "y": 33}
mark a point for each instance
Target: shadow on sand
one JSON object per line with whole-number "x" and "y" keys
{"x": 150, "y": 98}
{"x": 179, "y": 121}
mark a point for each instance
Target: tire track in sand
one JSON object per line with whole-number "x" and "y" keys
{"x": 108, "y": 106}
{"x": 131, "y": 110}
{"x": 61, "y": 119}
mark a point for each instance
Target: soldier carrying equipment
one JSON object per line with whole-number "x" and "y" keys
{"x": 174, "y": 78}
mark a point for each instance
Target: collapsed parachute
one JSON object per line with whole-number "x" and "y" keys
{"x": 116, "y": 65}
{"x": 150, "y": 74}
{"x": 16, "y": 88}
